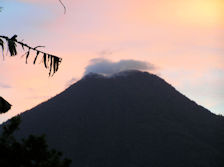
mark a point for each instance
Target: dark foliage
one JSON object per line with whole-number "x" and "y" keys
{"x": 2, "y": 44}
{"x": 134, "y": 119}
{"x": 50, "y": 61}
{"x": 4, "y": 105}
{"x": 12, "y": 45}
{"x": 30, "y": 152}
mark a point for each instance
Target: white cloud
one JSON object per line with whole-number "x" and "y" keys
{"x": 106, "y": 67}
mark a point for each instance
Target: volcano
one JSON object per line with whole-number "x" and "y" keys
{"x": 130, "y": 119}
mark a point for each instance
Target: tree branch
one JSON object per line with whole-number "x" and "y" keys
{"x": 63, "y": 6}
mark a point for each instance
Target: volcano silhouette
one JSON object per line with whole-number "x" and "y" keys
{"x": 131, "y": 119}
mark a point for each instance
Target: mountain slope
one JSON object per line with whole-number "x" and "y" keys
{"x": 130, "y": 119}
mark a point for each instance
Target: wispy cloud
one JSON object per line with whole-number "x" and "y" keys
{"x": 2, "y": 85}
{"x": 70, "y": 82}
{"x": 106, "y": 52}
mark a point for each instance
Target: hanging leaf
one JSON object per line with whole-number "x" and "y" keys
{"x": 45, "y": 60}
{"x": 49, "y": 58}
{"x": 51, "y": 63}
{"x": 12, "y": 47}
{"x": 27, "y": 55}
{"x": 36, "y": 57}
{"x": 55, "y": 64}
{"x": 2, "y": 44}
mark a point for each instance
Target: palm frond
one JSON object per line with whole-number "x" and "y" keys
{"x": 50, "y": 62}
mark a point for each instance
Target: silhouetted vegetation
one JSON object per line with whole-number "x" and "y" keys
{"x": 32, "y": 151}
{"x": 4, "y": 105}
{"x": 50, "y": 61}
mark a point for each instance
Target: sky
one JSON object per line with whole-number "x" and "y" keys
{"x": 178, "y": 40}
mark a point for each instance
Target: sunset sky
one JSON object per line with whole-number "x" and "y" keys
{"x": 182, "y": 41}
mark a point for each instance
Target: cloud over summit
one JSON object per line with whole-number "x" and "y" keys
{"x": 107, "y": 67}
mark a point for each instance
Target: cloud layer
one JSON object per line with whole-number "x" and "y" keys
{"x": 70, "y": 82}
{"x": 107, "y": 67}
{"x": 2, "y": 85}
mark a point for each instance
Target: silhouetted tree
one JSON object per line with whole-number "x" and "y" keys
{"x": 30, "y": 152}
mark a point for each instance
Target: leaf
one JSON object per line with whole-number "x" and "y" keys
{"x": 51, "y": 63}
{"x": 36, "y": 57}
{"x": 2, "y": 44}
{"x": 49, "y": 58}
{"x": 12, "y": 47}
{"x": 56, "y": 63}
{"x": 45, "y": 60}
{"x": 27, "y": 55}
{"x": 14, "y": 38}
{"x": 38, "y": 47}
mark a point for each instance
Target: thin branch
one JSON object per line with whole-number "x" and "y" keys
{"x": 63, "y": 6}
{"x": 39, "y": 47}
